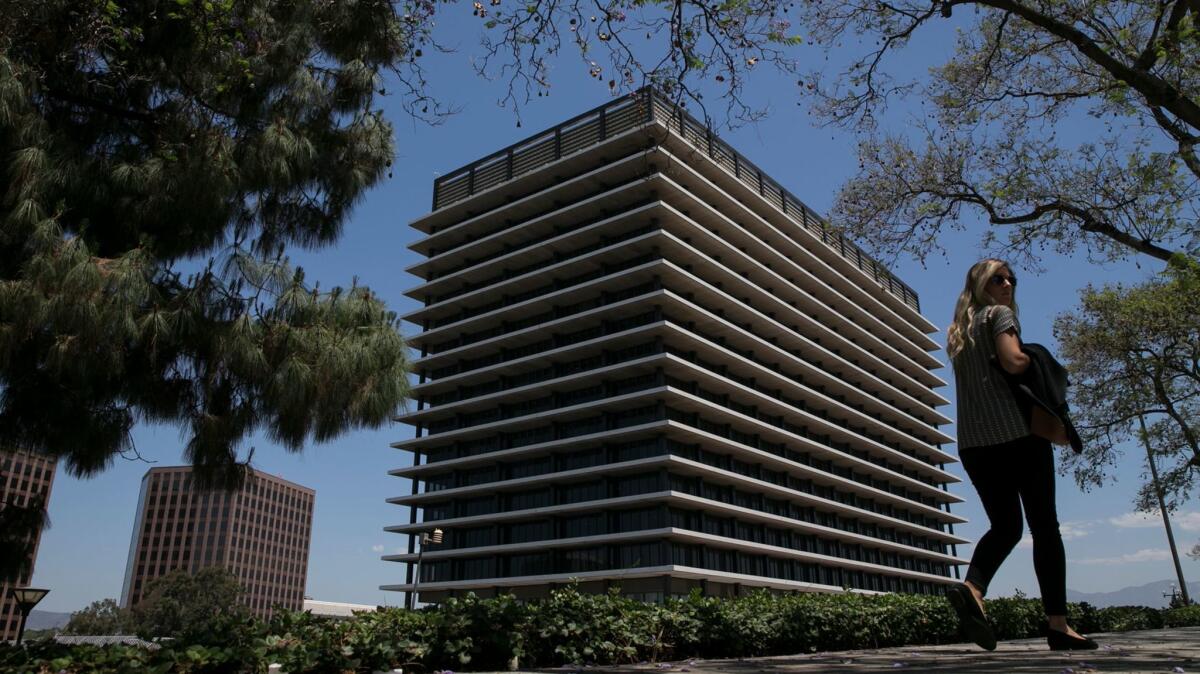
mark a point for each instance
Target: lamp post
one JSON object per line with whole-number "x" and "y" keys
{"x": 26, "y": 598}
{"x": 427, "y": 538}
{"x": 1162, "y": 508}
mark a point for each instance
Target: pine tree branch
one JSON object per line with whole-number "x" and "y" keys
{"x": 115, "y": 111}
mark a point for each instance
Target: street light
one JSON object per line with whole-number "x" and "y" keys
{"x": 1162, "y": 508}
{"x": 427, "y": 538}
{"x": 26, "y": 598}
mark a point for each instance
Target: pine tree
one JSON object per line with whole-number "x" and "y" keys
{"x": 157, "y": 162}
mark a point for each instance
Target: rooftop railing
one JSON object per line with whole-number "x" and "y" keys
{"x": 632, "y": 111}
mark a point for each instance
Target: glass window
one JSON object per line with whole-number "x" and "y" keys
{"x": 640, "y": 554}
{"x": 537, "y": 530}
{"x": 482, "y": 505}
{"x": 537, "y": 498}
{"x": 592, "y": 524}
{"x": 581, "y": 395}
{"x": 630, "y": 451}
{"x": 637, "y": 484}
{"x": 586, "y": 559}
{"x": 482, "y": 567}
{"x": 687, "y": 555}
{"x": 475, "y": 537}
{"x": 532, "y": 564}
{"x": 682, "y": 519}
{"x": 584, "y": 459}
{"x": 586, "y": 491}
{"x": 439, "y": 482}
{"x": 714, "y": 492}
{"x": 529, "y": 467}
{"x": 639, "y": 520}
{"x": 686, "y": 485}
{"x": 432, "y": 572}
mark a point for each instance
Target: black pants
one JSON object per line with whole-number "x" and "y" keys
{"x": 1008, "y": 476}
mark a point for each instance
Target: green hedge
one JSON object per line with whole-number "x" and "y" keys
{"x": 575, "y": 628}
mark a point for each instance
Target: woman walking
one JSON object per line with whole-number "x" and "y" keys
{"x": 1008, "y": 465}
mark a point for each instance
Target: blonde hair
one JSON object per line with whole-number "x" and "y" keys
{"x": 973, "y": 297}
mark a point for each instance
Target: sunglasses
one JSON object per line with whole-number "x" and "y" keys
{"x": 1000, "y": 279}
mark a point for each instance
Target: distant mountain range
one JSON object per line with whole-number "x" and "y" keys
{"x": 1150, "y": 594}
{"x": 44, "y": 620}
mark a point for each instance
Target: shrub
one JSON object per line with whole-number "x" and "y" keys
{"x": 1183, "y": 616}
{"x": 1128, "y": 618}
{"x": 575, "y": 628}
{"x": 479, "y": 633}
{"x": 1016, "y": 617}
{"x": 1083, "y": 617}
{"x": 572, "y": 628}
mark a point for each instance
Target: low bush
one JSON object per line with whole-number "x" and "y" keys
{"x": 574, "y": 628}
{"x": 1128, "y": 618}
{"x": 1184, "y": 616}
{"x": 1016, "y": 617}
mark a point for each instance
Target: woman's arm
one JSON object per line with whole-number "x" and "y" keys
{"x": 1008, "y": 351}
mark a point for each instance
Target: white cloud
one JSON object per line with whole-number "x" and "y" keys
{"x": 1187, "y": 521}
{"x": 1136, "y": 521}
{"x": 376, "y": 548}
{"x": 1069, "y": 531}
{"x": 1143, "y": 555}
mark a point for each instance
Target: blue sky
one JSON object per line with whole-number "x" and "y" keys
{"x": 83, "y": 554}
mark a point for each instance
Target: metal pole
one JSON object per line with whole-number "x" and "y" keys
{"x": 21, "y": 629}
{"x": 416, "y": 578}
{"x": 1162, "y": 508}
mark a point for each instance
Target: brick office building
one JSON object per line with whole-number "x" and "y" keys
{"x": 22, "y": 477}
{"x": 260, "y": 533}
{"x": 642, "y": 361}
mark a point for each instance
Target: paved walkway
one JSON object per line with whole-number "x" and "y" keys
{"x": 1174, "y": 651}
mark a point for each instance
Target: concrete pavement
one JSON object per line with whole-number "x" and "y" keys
{"x": 1173, "y": 651}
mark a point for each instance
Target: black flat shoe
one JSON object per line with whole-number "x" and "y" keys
{"x": 1061, "y": 641}
{"x": 970, "y": 617}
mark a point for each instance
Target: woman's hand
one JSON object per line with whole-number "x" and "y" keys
{"x": 1008, "y": 352}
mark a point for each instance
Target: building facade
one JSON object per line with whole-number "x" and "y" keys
{"x": 260, "y": 533}
{"x": 23, "y": 478}
{"x": 645, "y": 363}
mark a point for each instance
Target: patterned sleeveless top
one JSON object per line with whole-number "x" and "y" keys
{"x": 988, "y": 413}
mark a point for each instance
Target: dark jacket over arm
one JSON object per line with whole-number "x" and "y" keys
{"x": 1044, "y": 383}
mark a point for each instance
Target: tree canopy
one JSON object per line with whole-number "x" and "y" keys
{"x": 987, "y": 142}
{"x": 991, "y": 140}
{"x": 198, "y": 607}
{"x": 158, "y": 160}
{"x": 100, "y": 618}
{"x": 157, "y": 163}
{"x": 1134, "y": 352}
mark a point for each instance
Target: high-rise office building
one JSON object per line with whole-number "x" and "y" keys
{"x": 261, "y": 533}
{"x": 643, "y": 362}
{"x": 24, "y": 478}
